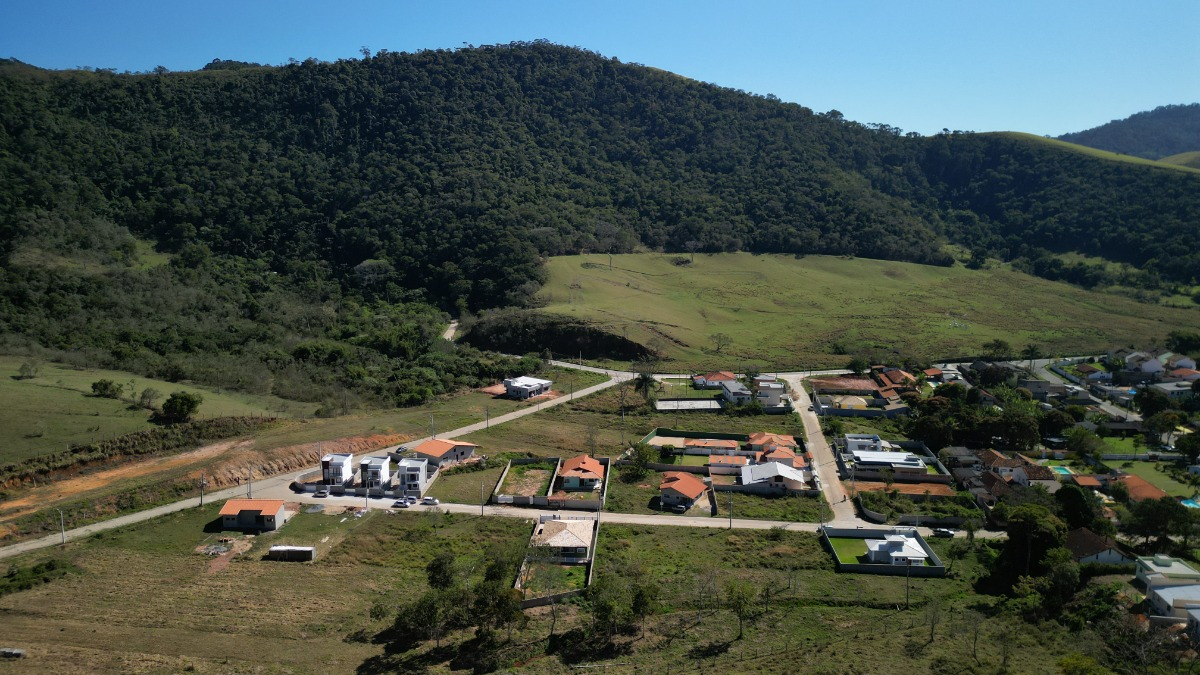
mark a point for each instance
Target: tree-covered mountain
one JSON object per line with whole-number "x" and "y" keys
{"x": 318, "y": 213}
{"x": 1167, "y": 130}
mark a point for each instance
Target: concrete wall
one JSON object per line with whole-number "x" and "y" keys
{"x": 937, "y": 569}
{"x": 544, "y": 501}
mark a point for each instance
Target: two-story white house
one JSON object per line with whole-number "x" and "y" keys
{"x": 337, "y": 468}
{"x": 375, "y": 471}
{"x": 413, "y": 475}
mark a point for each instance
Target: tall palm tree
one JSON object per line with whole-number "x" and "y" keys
{"x": 644, "y": 383}
{"x": 1031, "y": 353}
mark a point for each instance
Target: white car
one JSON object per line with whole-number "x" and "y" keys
{"x": 400, "y": 504}
{"x": 430, "y": 501}
{"x": 322, "y": 493}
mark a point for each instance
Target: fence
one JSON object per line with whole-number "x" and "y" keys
{"x": 548, "y": 501}
{"x": 936, "y": 569}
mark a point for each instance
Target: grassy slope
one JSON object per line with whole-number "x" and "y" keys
{"x": 1188, "y": 159}
{"x": 57, "y": 405}
{"x": 787, "y": 313}
{"x": 1094, "y": 152}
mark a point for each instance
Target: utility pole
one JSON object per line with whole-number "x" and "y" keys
{"x": 487, "y": 418}
{"x": 62, "y": 526}
{"x": 730, "y": 509}
{"x": 481, "y": 499}
{"x": 907, "y": 577}
{"x": 432, "y": 430}
{"x": 203, "y": 484}
{"x": 250, "y": 485}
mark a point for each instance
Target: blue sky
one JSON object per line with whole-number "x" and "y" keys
{"x": 1045, "y": 67}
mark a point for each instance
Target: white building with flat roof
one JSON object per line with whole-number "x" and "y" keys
{"x": 525, "y": 387}
{"x": 375, "y": 471}
{"x": 899, "y": 462}
{"x": 413, "y": 475}
{"x": 337, "y": 468}
{"x": 896, "y": 549}
{"x": 863, "y": 442}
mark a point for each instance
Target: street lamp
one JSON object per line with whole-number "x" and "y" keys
{"x": 62, "y": 524}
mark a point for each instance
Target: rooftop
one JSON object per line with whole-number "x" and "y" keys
{"x": 1167, "y": 566}
{"x": 895, "y": 459}
{"x": 684, "y": 483}
{"x": 439, "y": 447}
{"x": 565, "y": 533}
{"x": 583, "y": 466}
{"x": 236, "y": 506}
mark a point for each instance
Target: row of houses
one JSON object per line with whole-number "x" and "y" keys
{"x": 767, "y": 390}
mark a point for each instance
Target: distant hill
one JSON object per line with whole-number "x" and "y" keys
{"x": 1164, "y": 131}
{"x": 1189, "y": 159}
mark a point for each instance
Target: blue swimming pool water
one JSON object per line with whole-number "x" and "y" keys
{"x": 1062, "y": 470}
{"x": 1191, "y": 504}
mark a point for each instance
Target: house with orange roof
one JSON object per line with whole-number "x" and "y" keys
{"x": 1084, "y": 481}
{"x": 784, "y": 456}
{"x": 726, "y": 464}
{"x": 440, "y": 452}
{"x": 261, "y": 515}
{"x": 679, "y": 488}
{"x": 713, "y": 380}
{"x": 1139, "y": 489}
{"x": 582, "y": 473}
{"x": 760, "y": 440}
{"x": 933, "y": 375}
{"x": 716, "y": 446}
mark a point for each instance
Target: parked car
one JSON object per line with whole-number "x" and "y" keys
{"x": 411, "y": 499}
{"x": 430, "y": 501}
{"x": 322, "y": 493}
{"x": 400, "y": 504}
{"x": 943, "y": 532}
{"x": 679, "y": 508}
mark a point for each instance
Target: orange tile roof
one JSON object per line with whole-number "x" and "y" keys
{"x": 933, "y": 372}
{"x": 785, "y": 456}
{"x": 1086, "y": 481}
{"x": 728, "y": 459}
{"x": 236, "y": 506}
{"x": 439, "y": 448}
{"x": 684, "y": 483}
{"x": 764, "y": 438}
{"x": 1139, "y": 489}
{"x": 583, "y": 466}
{"x": 717, "y": 376}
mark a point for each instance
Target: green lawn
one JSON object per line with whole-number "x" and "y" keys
{"x": 691, "y": 460}
{"x": 464, "y": 487}
{"x": 753, "y": 299}
{"x": 760, "y": 507}
{"x": 849, "y": 550}
{"x": 1158, "y": 479}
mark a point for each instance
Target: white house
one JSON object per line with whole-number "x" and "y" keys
{"x": 1174, "y": 601}
{"x": 896, "y": 549}
{"x": 524, "y": 387}
{"x": 897, "y": 462}
{"x": 736, "y": 393}
{"x": 712, "y": 380}
{"x": 1163, "y": 570}
{"x": 337, "y": 468}
{"x": 1143, "y": 362}
{"x": 1176, "y": 361}
{"x": 375, "y": 471}
{"x": 413, "y": 475}
{"x": 774, "y": 474}
{"x": 263, "y": 515}
{"x": 865, "y": 442}
{"x": 1088, "y": 547}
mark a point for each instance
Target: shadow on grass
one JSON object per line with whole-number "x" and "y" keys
{"x": 709, "y": 651}
{"x": 579, "y": 645}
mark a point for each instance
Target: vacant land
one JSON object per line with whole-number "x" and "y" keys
{"x": 783, "y": 313}
{"x": 48, "y": 413}
{"x": 528, "y": 480}
{"x": 466, "y": 487}
{"x": 145, "y": 599}
{"x": 1152, "y": 474}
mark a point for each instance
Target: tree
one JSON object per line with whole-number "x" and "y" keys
{"x": 181, "y": 405}
{"x": 1031, "y": 353}
{"x": 1157, "y": 518}
{"x": 1075, "y": 506}
{"x": 644, "y": 383}
{"x": 720, "y": 341}
{"x": 1055, "y": 422}
{"x": 692, "y": 246}
{"x": 442, "y": 570}
{"x": 149, "y": 397}
{"x": 1150, "y": 401}
{"x": 498, "y": 604}
{"x": 1161, "y": 423}
{"x": 645, "y": 600}
{"x": 1189, "y": 446}
{"x": 858, "y": 365}
{"x": 997, "y": 350}
{"x": 641, "y": 455}
{"x": 610, "y": 604}
{"x": 739, "y": 599}
{"x": 31, "y": 368}
{"x": 1084, "y": 443}
{"x": 1032, "y": 531}
{"x": 106, "y": 389}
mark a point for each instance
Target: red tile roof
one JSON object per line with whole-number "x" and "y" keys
{"x": 1083, "y": 543}
{"x": 933, "y": 372}
{"x": 583, "y": 467}
{"x": 728, "y": 459}
{"x": 440, "y": 448}
{"x": 716, "y": 376}
{"x": 784, "y": 456}
{"x": 236, "y": 506}
{"x": 1140, "y": 489}
{"x": 1086, "y": 481}
{"x": 684, "y": 483}
{"x": 992, "y": 459}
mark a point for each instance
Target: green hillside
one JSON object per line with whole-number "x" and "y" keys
{"x": 1153, "y": 134}
{"x": 47, "y": 413}
{"x": 1188, "y": 159}
{"x": 1168, "y": 162}
{"x": 789, "y": 313}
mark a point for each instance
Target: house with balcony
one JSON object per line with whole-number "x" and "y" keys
{"x": 337, "y": 468}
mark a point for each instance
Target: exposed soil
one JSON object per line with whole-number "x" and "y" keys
{"x": 527, "y": 485}
{"x": 222, "y": 561}
{"x": 494, "y": 390}
{"x": 935, "y": 489}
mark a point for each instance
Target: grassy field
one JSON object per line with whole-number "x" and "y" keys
{"x": 784, "y": 313}
{"x": 1166, "y": 162}
{"x": 1189, "y": 159}
{"x": 761, "y": 507}
{"x": 147, "y": 601}
{"x": 464, "y": 487}
{"x": 49, "y": 412}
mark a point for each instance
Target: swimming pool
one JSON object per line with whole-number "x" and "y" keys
{"x": 1191, "y": 503}
{"x": 1062, "y": 470}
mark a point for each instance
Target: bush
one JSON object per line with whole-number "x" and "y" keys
{"x": 106, "y": 389}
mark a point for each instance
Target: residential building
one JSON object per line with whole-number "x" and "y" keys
{"x": 1163, "y": 570}
{"x": 868, "y": 442}
{"x": 957, "y": 456}
{"x": 442, "y": 452}
{"x": 375, "y": 471}
{"x": 1178, "y": 361}
{"x": 736, "y": 393}
{"x": 1186, "y": 374}
{"x": 713, "y": 380}
{"x": 1093, "y": 374}
{"x": 262, "y": 515}
{"x": 773, "y": 397}
{"x": 784, "y": 456}
{"x": 896, "y": 549}
{"x": 1003, "y": 465}
{"x": 566, "y": 540}
{"x": 1088, "y": 547}
{"x": 774, "y": 474}
{"x": 582, "y": 473}
{"x": 1036, "y": 474}
{"x": 680, "y": 488}
{"x": 1177, "y": 390}
{"x": 413, "y": 474}
{"x": 1143, "y": 362}
{"x": 337, "y": 468}
{"x": 525, "y": 387}
{"x": 934, "y": 375}
{"x": 1173, "y": 601}
{"x": 762, "y": 441}
{"x": 897, "y": 462}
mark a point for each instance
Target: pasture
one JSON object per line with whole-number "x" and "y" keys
{"x": 783, "y": 313}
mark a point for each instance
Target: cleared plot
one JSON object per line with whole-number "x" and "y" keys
{"x": 1150, "y": 472}
{"x": 784, "y": 313}
{"x": 528, "y": 480}
{"x": 466, "y": 487}
{"x": 795, "y": 508}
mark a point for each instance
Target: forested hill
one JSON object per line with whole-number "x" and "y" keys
{"x": 1154, "y": 134}
{"x": 445, "y": 175}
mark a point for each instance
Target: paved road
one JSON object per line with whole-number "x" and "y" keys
{"x": 822, "y": 454}
{"x": 1043, "y": 371}
{"x": 450, "y": 330}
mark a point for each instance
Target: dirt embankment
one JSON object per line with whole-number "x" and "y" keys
{"x": 243, "y": 462}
